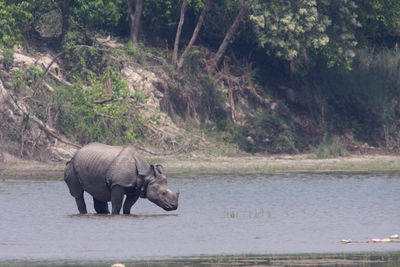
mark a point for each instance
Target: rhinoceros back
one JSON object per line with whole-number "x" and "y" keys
{"x": 91, "y": 164}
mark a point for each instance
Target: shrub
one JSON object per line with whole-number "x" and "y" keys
{"x": 385, "y": 62}
{"x": 364, "y": 102}
{"x": 136, "y": 51}
{"x": 96, "y": 113}
{"x": 330, "y": 148}
{"x": 8, "y": 58}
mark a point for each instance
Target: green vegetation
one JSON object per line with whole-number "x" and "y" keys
{"x": 262, "y": 76}
{"x": 331, "y": 148}
{"x": 225, "y": 131}
{"x": 256, "y": 214}
{"x": 8, "y": 57}
{"x": 101, "y": 112}
{"x": 230, "y": 214}
{"x": 296, "y": 29}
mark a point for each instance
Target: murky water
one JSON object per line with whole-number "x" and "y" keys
{"x": 218, "y": 214}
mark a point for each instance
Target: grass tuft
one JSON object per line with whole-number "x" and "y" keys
{"x": 330, "y": 148}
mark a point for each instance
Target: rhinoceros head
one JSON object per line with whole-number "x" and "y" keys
{"x": 157, "y": 190}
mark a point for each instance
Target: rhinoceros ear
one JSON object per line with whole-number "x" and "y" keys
{"x": 160, "y": 168}
{"x": 156, "y": 170}
{"x": 142, "y": 166}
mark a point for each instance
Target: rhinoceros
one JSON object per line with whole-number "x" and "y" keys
{"x": 110, "y": 172}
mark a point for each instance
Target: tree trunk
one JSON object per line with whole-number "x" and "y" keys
{"x": 229, "y": 35}
{"x": 195, "y": 33}
{"x": 178, "y": 34}
{"x": 134, "y": 19}
{"x": 64, "y": 8}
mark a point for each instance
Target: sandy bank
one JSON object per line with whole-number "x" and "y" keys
{"x": 284, "y": 163}
{"x": 14, "y": 167}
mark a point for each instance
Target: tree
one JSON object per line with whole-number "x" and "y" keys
{"x": 380, "y": 20}
{"x": 15, "y": 19}
{"x": 194, "y": 35}
{"x": 160, "y": 19}
{"x": 295, "y": 30}
{"x": 229, "y": 35}
{"x": 64, "y": 9}
{"x": 98, "y": 15}
{"x": 178, "y": 34}
{"x": 134, "y": 19}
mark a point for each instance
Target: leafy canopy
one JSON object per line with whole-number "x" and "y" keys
{"x": 15, "y": 17}
{"x": 298, "y": 29}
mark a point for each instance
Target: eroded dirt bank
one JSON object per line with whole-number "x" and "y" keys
{"x": 14, "y": 167}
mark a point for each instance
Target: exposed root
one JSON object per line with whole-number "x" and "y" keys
{"x": 237, "y": 85}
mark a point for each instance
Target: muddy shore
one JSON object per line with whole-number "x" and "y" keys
{"x": 203, "y": 164}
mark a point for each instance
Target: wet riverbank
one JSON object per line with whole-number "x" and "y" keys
{"x": 203, "y": 164}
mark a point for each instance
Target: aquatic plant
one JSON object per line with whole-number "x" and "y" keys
{"x": 230, "y": 213}
{"x": 257, "y": 214}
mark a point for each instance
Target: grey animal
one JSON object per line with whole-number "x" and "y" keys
{"x": 110, "y": 172}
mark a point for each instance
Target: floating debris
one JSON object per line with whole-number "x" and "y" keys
{"x": 394, "y": 236}
{"x": 118, "y": 265}
{"x": 391, "y": 239}
{"x": 378, "y": 240}
{"x": 375, "y": 240}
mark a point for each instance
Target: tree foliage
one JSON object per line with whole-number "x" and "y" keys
{"x": 102, "y": 112}
{"x": 99, "y": 15}
{"x": 380, "y": 20}
{"x": 298, "y": 29}
{"x": 15, "y": 18}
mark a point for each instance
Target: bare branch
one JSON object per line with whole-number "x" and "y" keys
{"x": 100, "y": 102}
{"x": 38, "y": 83}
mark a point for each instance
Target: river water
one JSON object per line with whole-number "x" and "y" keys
{"x": 218, "y": 214}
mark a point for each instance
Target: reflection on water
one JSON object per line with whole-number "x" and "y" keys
{"x": 228, "y": 214}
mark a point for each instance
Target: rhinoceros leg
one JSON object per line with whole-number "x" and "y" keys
{"x": 80, "y": 202}
{"x": 129, "y": 201}
{"x": 117, "y": 196}
{"x": 100, "y": 206}
{"x": 75, "y": 188}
